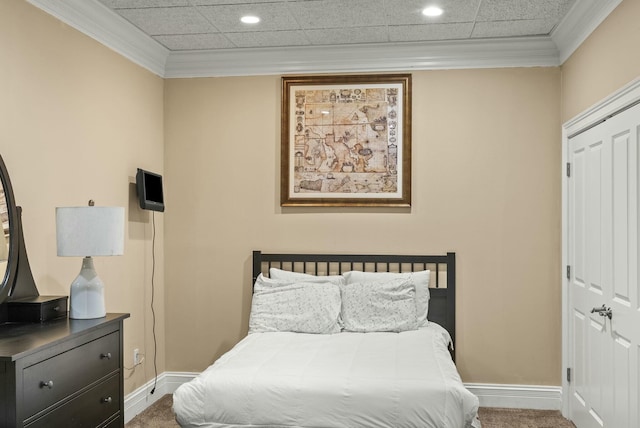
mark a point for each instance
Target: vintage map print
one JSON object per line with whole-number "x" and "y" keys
{"x": 347, "y": 142}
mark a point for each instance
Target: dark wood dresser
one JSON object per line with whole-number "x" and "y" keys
{"x": 62, "y": 373}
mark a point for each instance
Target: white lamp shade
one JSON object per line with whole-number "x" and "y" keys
{"x": 90, "y": 231}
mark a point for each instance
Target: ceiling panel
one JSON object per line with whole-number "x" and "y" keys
{"x": 128, "y": 4}
{"x": 226, "y": 18}
{"x": 401, "y": 12}
{"x": 504, "y": 10}
{"x": 316, "y": 14}
{"x": 268, "y": 39}
{"x": 414, "y": 33}
{"x": 168, "y": 20}
{"x": 194, "y": 41}
{"x": 355, "y": 35}
{"x": 525, "y": 27}
{"x": 221, "y": 2}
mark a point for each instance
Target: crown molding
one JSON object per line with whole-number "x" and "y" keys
{"x": 520, "y": 52}
{"x": 99, "y": 22}
{"x": 583, "y": 18}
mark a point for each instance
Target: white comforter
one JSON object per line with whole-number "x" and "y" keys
{"x": 344, "y": 380}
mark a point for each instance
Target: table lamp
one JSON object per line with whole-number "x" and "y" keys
{"x": 87, "y": 232}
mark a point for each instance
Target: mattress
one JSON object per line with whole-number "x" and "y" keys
{"x": 343, "y": 380}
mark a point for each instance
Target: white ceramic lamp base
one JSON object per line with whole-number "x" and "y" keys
{"x": 86, "y": 299}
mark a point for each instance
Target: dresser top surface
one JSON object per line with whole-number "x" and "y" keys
{"x": 20, "y": 339}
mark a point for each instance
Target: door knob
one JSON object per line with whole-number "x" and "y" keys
{"x": 603, "y": 311}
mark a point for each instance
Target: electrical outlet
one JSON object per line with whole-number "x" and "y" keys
{"x": 136, "y": 357}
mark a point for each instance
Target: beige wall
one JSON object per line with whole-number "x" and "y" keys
{"x": 486, "y": 184}
{"x": 605, "y": 62}
{"x": 76, "y": 119}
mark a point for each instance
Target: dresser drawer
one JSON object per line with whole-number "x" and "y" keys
{"x": 90, "y": 409}
{"x": 51, "y": 380}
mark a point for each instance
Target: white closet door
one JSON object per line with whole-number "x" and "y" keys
{"x": 603, "y": 255}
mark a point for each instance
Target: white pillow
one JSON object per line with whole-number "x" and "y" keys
{"x": 285, "y": 275}
{"x": 379, "y": 306}
{"x": 302, "y": 307}
{"x": 419, "y": 279}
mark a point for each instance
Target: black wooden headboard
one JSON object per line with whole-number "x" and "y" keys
{"x": 442, "y": 305}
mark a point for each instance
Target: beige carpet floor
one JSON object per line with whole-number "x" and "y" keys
{"x": 160, "y": 415}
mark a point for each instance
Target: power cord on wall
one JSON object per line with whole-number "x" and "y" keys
{"x": 133, "y": 367}
{"x": 153, "y": 312}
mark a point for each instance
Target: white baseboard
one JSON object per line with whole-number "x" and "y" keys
{"x": 137, "y": 401}
{"x": 517, "y": 396}
{"x": 490, "y": 395}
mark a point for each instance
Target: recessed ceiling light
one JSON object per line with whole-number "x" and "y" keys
{"x": 432, "y": 11}
{"x": 250, "y": 19}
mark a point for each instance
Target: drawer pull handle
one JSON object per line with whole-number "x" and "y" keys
{"x": 107, "y": 400}
{"x": 106, "y": 356}
{"x": 48, "y": 384}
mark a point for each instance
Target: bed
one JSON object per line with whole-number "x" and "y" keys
{"x": 339, "y": 341}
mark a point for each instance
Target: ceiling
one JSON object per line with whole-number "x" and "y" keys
{"x": 215, "y": 24}
{"x": 188, "y": 38}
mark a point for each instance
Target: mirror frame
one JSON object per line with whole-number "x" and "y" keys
{"x": 9, "y": 279}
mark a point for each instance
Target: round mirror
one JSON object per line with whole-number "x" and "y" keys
{"x": 4, "y": 234}
{"x": 8, "y": 247}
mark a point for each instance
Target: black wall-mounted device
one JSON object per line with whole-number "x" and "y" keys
{"x": 150, "y": 192}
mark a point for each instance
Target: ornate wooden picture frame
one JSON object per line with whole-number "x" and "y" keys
{"x": 346, "y": 140}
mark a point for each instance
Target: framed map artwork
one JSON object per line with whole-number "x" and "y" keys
{"x": 346, "y": 140}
